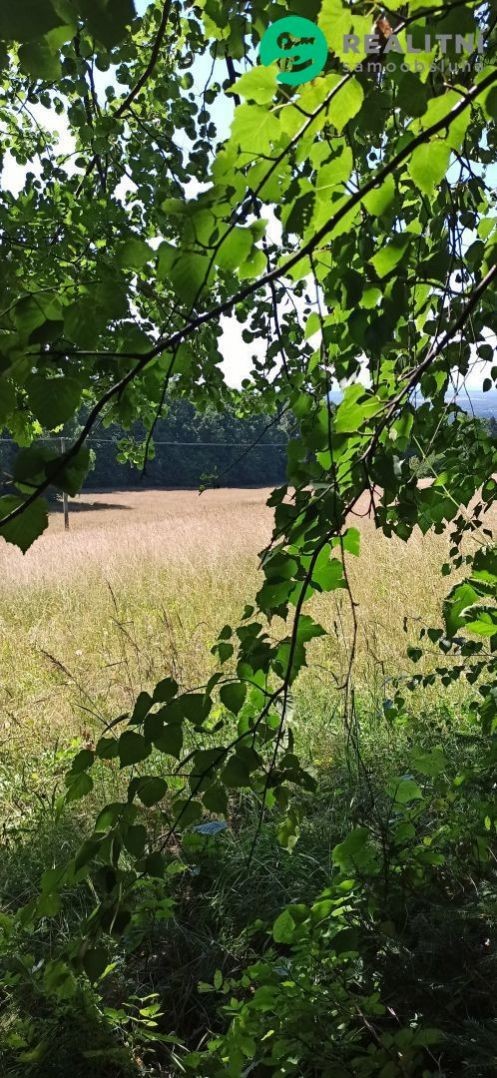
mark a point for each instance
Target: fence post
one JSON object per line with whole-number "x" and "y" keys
{"x": 64, "y": 495}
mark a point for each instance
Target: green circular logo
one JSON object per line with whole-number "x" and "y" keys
{"x": 300, "y": 41}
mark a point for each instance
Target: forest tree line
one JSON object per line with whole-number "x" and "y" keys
{"x": 190, "y": 449}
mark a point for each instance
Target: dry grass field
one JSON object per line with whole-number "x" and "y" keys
{"x": 140, "y": 583}
{"x": 140, "y": 586}
{"x": 165, "y": 527}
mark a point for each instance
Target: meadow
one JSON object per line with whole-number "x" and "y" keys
{"x": 143, "y": 581}
{"x": 135, "y": 591}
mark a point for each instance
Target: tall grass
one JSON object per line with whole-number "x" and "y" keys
{"x": 89, "y": 618}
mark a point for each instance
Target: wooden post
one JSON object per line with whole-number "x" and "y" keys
{"x": 65, "y": 496}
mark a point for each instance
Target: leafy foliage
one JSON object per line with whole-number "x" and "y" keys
{"x": 384, "y": 264}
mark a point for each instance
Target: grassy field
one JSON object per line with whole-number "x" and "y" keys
{"x": 141, "y": 584}
{"x": 138, "y": 589}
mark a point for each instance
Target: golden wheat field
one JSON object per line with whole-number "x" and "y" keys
{"x": 141, "y": 584}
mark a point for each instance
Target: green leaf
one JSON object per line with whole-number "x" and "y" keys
{"x": 225, "y": 651}
{"x": 428, "y": 1037}
{"x": 336, "y": 20}
{"x": 380, "y": 198}
{"x": 167, "y": 256}
{"x": 460, "y": 598}
{"x": 250, "y": 757}
{"x": 108, "y": 19}
{"x": 288, "y": 831}
{"x": 356, "y": 408}
{"x": 254, "y": 266}
{"x": 195, "y": 707}
{"x": 29, "y": 316}
{"x": 73, "y": 474}
{"x": 107, "y": 748}
{"x": 253, "y": 129}
{"x": 334, "y": 173}
{"x": 37, "y": 463}
{"x": 110, "y": 815}
{"x": 355, "y": 852}
{"x": 428, "y": 165}
{"x": 142, "y": 707}
{"x": 236, "y": 772}
{"x": 87, "y": 852}
{"x": 132, "y": 748}
{"x": 36, "y": 1054}
{"x": 27, "y": 20}
{"x": 134, "y": 254}
{"x": 48, "y": 905}
{"x": 274, "y": 594}
{"x": 439, "y": 108}
{"x": 390, "y": 254}
{"x": 257, "y": 85}
{"x": 59, "y": 979}
{"x": 53, "y": 400}
{"x": 328, "y": 572}
{"x": 233, "y": 696}
{"x": 346, "y": 941}
{"x": 150, "y": 789}
{"x": 429, "y": 763}
{"x": 346, "y": 103}
{"x": 235, "y": 249}
{"x": 485, "y": 624}
{"x": 216, "y": 799}
{"x": 284, "y": 928}
{"x": 82, "y": 761}
{"x": 95, "y": 963}
{"x": 28, "y": 526}
{"x": 165, "y": 691}
{"x": 489, "y": 103}
{"x": 412, "y": 94}
{"x": 41, "y": 60}
{"x": 79, "y": 786}
{"x": 351, "y": 541}
{"x": 191, "y": 276}
{"x": 308, "y": 629}
{"x": 405, "y": 791}
{"x": 155, "y": 865}
{"x": 52, "y": 879}
{"x": 135, "y": 839}
{"x": 170, "y": 740}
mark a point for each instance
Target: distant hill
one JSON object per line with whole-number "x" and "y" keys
{"x": 483, "y": 405}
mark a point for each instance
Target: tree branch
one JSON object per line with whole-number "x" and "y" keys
{"x": 226, "y": 306}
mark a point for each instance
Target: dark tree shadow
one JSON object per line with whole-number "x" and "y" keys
{"x": 80, "y": 507}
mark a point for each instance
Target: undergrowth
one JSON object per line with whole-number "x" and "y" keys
{"x": 228, "y": 959}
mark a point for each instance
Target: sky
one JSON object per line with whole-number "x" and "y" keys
{"x": 237, "y": 362}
